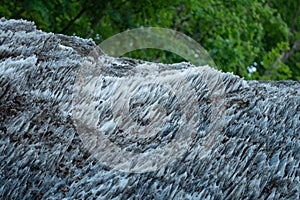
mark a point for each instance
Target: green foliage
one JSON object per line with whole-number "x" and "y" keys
{"x": 235, "y": 33}
{"x": 273, "y": 67}
{"x": 290, "y": 13}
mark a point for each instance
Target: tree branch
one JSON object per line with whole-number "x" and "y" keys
{"x": 296, "y": 13}
{"x": 73, "y": 20}
{"x": 288, "y": 54}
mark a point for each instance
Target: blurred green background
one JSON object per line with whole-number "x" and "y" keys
{"x": 253, "y": 39}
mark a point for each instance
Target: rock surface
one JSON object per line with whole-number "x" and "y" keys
{"x": 245, "y": 145}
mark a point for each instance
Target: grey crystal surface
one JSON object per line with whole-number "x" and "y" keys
{"x": 242, "y": 138}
